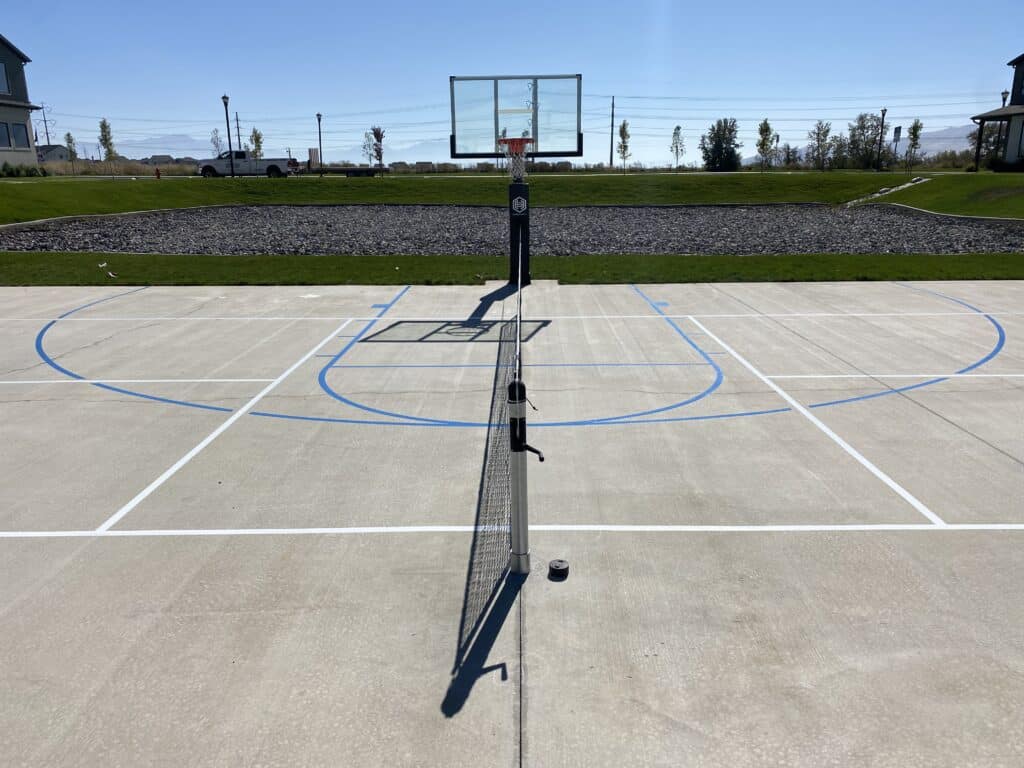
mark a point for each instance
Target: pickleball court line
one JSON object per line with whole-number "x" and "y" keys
{"x": 174, "y": 468}
{"x": 540, "y": 528}
{"x": 849, "y": 449}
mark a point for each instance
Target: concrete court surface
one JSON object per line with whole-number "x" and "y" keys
{"x": 236, "y": 526}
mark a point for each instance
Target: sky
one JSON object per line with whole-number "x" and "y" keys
{"x": 157, "y": 71}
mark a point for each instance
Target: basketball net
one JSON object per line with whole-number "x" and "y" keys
{"x": 515, "y": 156}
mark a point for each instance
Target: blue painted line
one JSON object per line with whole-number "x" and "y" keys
{"x": 453, "y": 423}
{"x": 661, "y": 303}
{"x": 101, "y": 301}
{"x": 380, "y": 306}
{"x": 45, "y": 357}
{"x": 1000, "y": 343}
{"x": 168, "y": 400}
{"x": 326, "y": 387}
{"x": 682, "y": 403}
{"x": 627, "y": 419}
{"x": 336, "y": 420}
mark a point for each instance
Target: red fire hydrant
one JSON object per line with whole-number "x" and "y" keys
{"x": 157, "y": 171}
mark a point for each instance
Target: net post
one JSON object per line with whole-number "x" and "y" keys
{"x": 519, "y": 557}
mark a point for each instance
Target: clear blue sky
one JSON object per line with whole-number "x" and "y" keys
{"x": 157, "y": 71}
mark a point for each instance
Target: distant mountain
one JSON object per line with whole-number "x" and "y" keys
{"x": 944, "y": 140}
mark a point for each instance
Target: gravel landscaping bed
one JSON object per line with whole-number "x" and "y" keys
{"x": 416, "y": 229}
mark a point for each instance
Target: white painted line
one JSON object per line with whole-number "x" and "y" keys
{"x": 136, "y": 381}
{"x": 173, "y": 469}
{"x": 581, "y": 528}
{"x": 899, "y": 376}
{"x": 853, "y": 452}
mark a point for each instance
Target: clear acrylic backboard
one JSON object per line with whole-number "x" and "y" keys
{"x": 546, "y": 108}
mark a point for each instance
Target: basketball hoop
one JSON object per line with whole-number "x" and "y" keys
{"x": 515, "y": 153}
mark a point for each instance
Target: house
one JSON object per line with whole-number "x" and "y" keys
{"x": 160, "y": 160}
{"x": 47, "y": 153}
{"x": 1010, "y": 118}
{"x": 16, "y": 143}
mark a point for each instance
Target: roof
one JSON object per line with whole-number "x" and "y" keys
{"x": 15, "y": 103}
{"x": 49, "y": 147}
{"x": 1003, "y": 113}
{"x": 1015, "y": 62}
{"x": 4, "y": 41}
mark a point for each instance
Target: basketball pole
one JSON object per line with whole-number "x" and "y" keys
{"x": 519, "y": 231}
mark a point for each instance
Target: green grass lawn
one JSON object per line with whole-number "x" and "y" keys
{"x": 969, "y": 194}
{"x": 26, "y": 200}
{"x": 80, "y": 269}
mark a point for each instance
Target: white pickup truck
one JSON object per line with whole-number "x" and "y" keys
{"x": 246, "y": 165}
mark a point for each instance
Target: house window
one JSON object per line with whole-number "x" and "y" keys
{"x": 20, "y": 133}
{"x": 5, "y": 136}
{"x": 5, "y": 85}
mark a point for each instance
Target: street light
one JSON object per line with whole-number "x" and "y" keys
{"x": 881, "y": 133}
{"x": 1000, "y": 138}
{"x": 227, "y": 122}
{"x": 320, "y": 143}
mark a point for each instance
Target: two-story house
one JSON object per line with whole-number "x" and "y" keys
{"x": 17, "y": 146}
{"x": 1010, "y": 117}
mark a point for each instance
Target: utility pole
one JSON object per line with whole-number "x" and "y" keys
{"x": 46, "y": 124}
{"x": 611, "y": 138}
{"x": 227, "y": 123}
{"x": 320, "y": 143}
{"x": 881, "y": 133}
{"x": 238, "y": 132}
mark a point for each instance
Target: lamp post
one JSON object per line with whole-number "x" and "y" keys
{"x": 227, "y": 123}
{"x": 881, "y": 134}
{"x": 1002, "y": 138}
{"x": 320, "y": 143}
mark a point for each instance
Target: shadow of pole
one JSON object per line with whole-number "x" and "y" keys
{"x": 471, "y": 666}
{"x": 487, "y": 301}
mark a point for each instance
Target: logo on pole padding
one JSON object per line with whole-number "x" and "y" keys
{"x": 519, "y": 205}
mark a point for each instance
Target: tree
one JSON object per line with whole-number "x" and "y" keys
{"x": 863, "y": 141}
{"x": 790, "y": 156}
{"x": 623, "y": 147}
{"x": 818, "y": 144}
{"x": 368, "y": 147}
{"x": 838, "y": 151}
{"x": 720, "y": 147}
{"x": 256, "y": 139}
{"x": 69, "y": 142}
{"x": 765, "y": 144}
{"x": 106, "y": 140}
{"x": 378, "y": 145}
{"x": 913, "y": 143}
{"x": 989, "y": 143}
{"x": 678, "y": 146}
{"x": 216, "y": 142}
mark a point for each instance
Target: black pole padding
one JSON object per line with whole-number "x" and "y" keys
{"x": 517, "y": 416}
{"x": 519, "y": 231}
